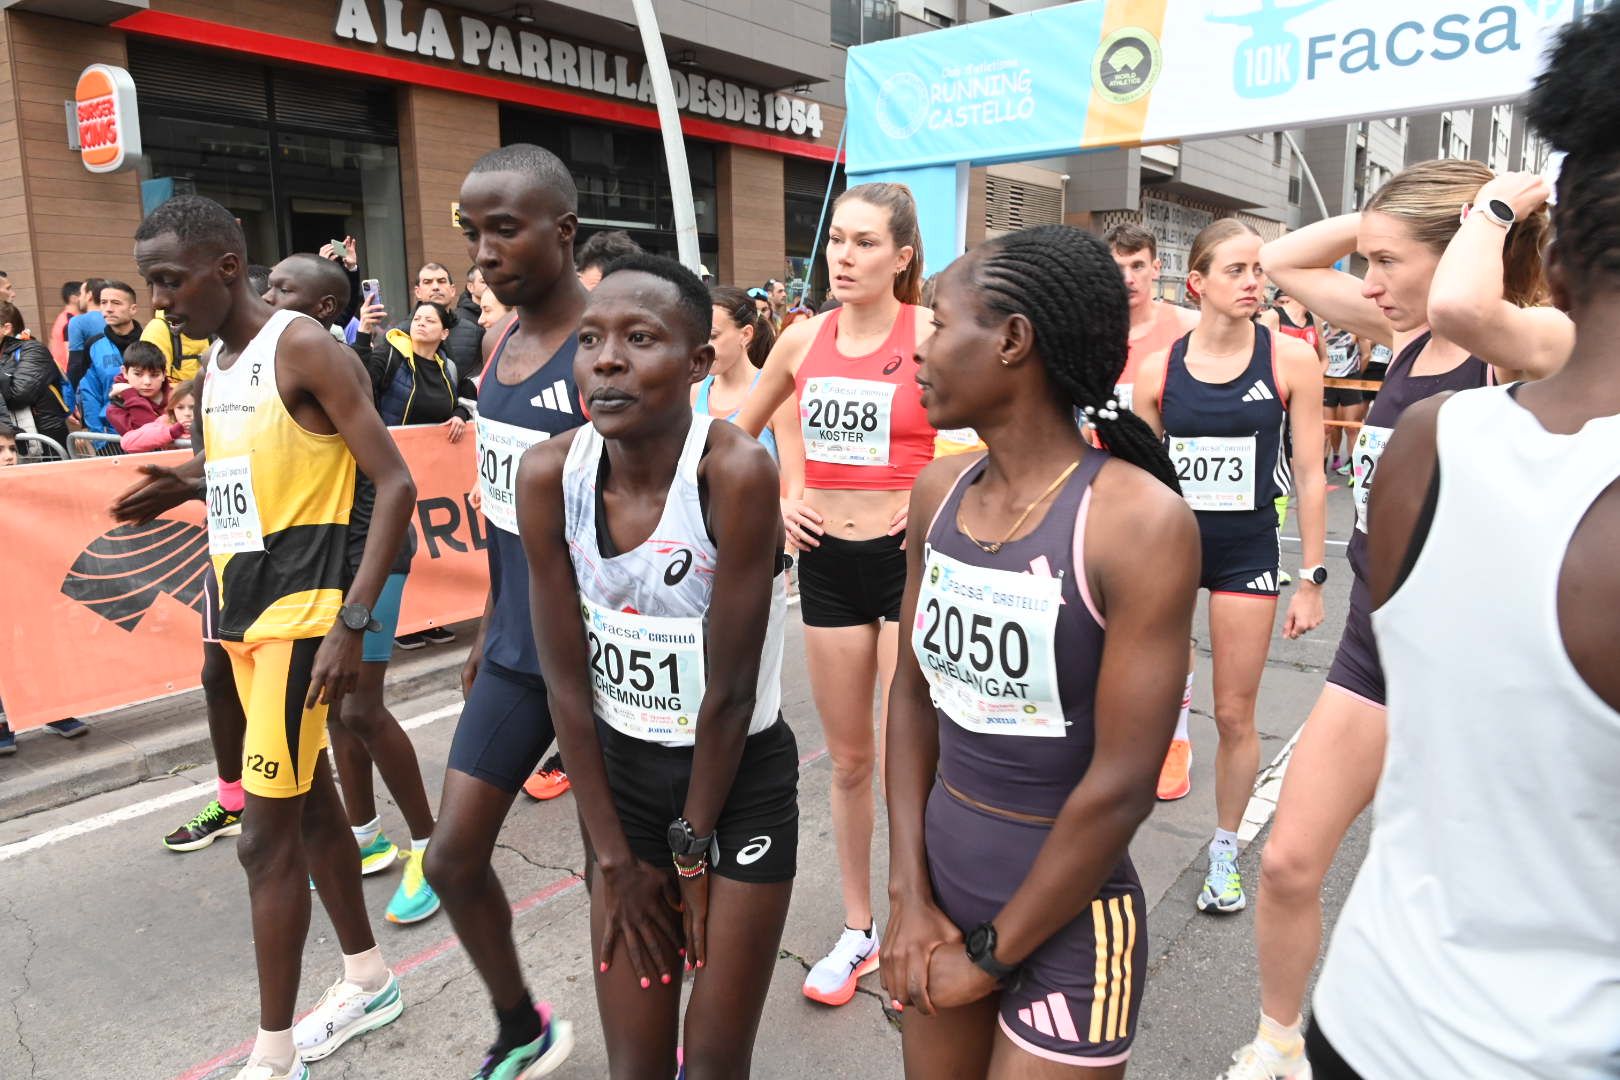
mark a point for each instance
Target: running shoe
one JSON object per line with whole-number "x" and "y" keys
{"x": 1333, "y": 465}
{"x": 378, "y": 855}
{"x": 1284, "y": 578}
{"x": 1262, "y": 1061}
{"x": 439, "y": 635}
{"x": 343, "y": 1012}
{"x": 1343, "y": 470}
{"x": 254, "y": 1071}
{"x": 1175, "y": 778}
{"x": 548, "y": 781}
{"x": 8, "y": 741}
{"x": 1223, "y": 886}
{"x": 832, "y": 981}
{"x": 415, "y": 899}
{"x": 538, "y": 1058}
{"x": 410, "y": 642}
{"x": 69, "y": 728}
{"x": 211, "y": 823}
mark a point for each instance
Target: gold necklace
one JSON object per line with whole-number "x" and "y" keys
{"x": 991, "y": 549}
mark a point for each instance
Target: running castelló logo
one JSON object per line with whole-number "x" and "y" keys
{"x": 123, "y": 572}
{"x": 1273, "y": 60}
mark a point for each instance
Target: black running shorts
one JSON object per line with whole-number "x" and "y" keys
{"x": 504, "y": 730}
{"x": 852, "y": 582}
{"x": 757, "y": 836}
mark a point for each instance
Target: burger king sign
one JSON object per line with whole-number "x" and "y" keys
{"x": 109, "y": 125}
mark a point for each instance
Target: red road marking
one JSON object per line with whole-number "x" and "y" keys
{"x": 551, "y": 892}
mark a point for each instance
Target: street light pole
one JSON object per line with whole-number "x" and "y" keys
{"x": 669, "y": 124}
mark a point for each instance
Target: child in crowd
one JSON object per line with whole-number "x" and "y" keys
{"x": 8, "y": 445}
{"x": 140, "y": 394}
{"x": 161, "y": 433}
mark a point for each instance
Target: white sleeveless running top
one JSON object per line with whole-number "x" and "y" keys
{"x": 646, "y": 610}
{"x": 1482, "y": 936}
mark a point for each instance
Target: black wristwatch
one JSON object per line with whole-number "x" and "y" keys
{"x": 686, "y": 843}
{"x": 357, "y": 617}
{"x": 981, "y": 949}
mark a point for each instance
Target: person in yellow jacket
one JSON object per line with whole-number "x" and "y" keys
{"x": 181, "y": 368}
{"x": 414, "y": 379}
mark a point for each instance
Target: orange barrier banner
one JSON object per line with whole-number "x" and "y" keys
{"x": 99, "y": 615}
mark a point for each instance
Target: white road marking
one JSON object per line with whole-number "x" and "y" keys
{"x": 161, "y": 802}
{"x": 1267, "y": 788}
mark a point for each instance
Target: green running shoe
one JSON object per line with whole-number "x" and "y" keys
{"x": 415, "y": 899}
{"x": 1223, "y": 886}
{"x": 531, "y": 1060}
{"x": 378, "y": 855}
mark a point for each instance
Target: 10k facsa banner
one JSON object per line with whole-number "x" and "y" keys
{"x": 101, "y": 615}
{"x": 1125, "y": 72}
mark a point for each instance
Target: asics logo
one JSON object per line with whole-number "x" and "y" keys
{"x": 892, "y": 366}
{"x": 678, "y": 568}
{"x": 755, "y": 851}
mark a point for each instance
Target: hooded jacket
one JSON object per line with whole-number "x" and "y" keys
{"x": 466, "y": 344}
{"x": 411, "y": 390}
{"x": 128, "y": 409}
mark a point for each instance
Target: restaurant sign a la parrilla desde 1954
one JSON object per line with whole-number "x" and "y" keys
{"x": 478, "y": 43}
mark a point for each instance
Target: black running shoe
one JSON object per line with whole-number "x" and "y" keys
{"x": 439, "y": 635}
{"x": 409, "y": 642}
{"x": 213, "y": 822}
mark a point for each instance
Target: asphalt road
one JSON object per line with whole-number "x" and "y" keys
{"x": 118, "y": 958}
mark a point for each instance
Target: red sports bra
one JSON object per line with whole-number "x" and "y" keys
{"x": 862, "y": 417}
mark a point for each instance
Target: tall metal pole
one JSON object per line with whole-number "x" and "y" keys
{"x": 669, "y": 124}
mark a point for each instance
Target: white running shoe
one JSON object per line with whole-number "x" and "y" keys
{"x": 832, "y": 981}
{"x": 255, "y": 1071}
{"x": 1262, "y": 1061}
{"x": 343, "y": 1012}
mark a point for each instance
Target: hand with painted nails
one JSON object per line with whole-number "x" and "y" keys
{"x": 642, "y": 908}
{"x": 917, "y": 928}
{"x": 695, "y": 918}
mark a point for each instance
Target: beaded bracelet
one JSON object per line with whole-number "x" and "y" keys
{"x": 698, "y": 869}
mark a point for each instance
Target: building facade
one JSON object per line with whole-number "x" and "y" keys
{"x": 317, "y": 119}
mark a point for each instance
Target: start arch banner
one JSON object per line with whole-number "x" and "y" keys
{"x": 1109, "y": 73}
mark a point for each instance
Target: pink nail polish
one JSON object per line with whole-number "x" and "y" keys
{"x": 664, "y": 979}
{"x": 700, "y": 963}
{"x": 688, "y": 965}
{"x": 645, "y": 983}
{"x": 604, "y": 966}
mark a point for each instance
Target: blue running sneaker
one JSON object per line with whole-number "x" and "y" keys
{"x": 531, "y": 1060}
{"x": 378, "y": 855}
{"x": 1223, "y": 886}
{"x": 415, "y": 899}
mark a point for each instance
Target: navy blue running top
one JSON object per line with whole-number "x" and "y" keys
{"x": 1243, "y": 474}
{"x": 1011, "y": 644}
{"x": 546, "y": 404}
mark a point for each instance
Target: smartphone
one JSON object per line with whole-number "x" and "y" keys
{"x": 337, "y": 246}
{"x": 369, "y": 292}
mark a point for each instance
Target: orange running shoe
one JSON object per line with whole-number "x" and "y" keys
{"x": 548, "y": 781}
{"x": 1175, "y": 779}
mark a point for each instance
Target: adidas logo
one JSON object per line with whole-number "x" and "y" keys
{"x": 1266, "y": 582}
{"x": 554, "y": 397}
{"x": 1259, "y": 392}
{"x": 1050, "y": 1017}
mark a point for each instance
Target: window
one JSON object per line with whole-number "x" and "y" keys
{"x": 856, "y": 22}
{"x": 1276, "y": 148}
{"x": 935, "y": 18}
{"x": 1294, "y": 184}
{"x": 300, "y": 157}
{"x": 998, "y": 12}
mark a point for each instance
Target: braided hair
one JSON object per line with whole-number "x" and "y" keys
{"x": 1576, "y": 107}
{"x": 1065, "y": 282}
{"x": 743, "y": 312}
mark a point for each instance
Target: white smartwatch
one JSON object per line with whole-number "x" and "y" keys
{"x": 1316, "y": 575}
{"x": 1494, "y": 210}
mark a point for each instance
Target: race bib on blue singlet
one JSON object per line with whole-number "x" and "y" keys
{"x": 1216, "y": 472}
{"x": 1370, "y": 445}
{"x": 987, "y": 643}
{"x": 500, "y": 448}
{"x": 846, "y": 421}
{"x": 646, "y": 672}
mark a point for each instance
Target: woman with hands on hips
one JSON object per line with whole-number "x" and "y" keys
{"x": 658, "y": 591}
{"x": 1017, "y": 938}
